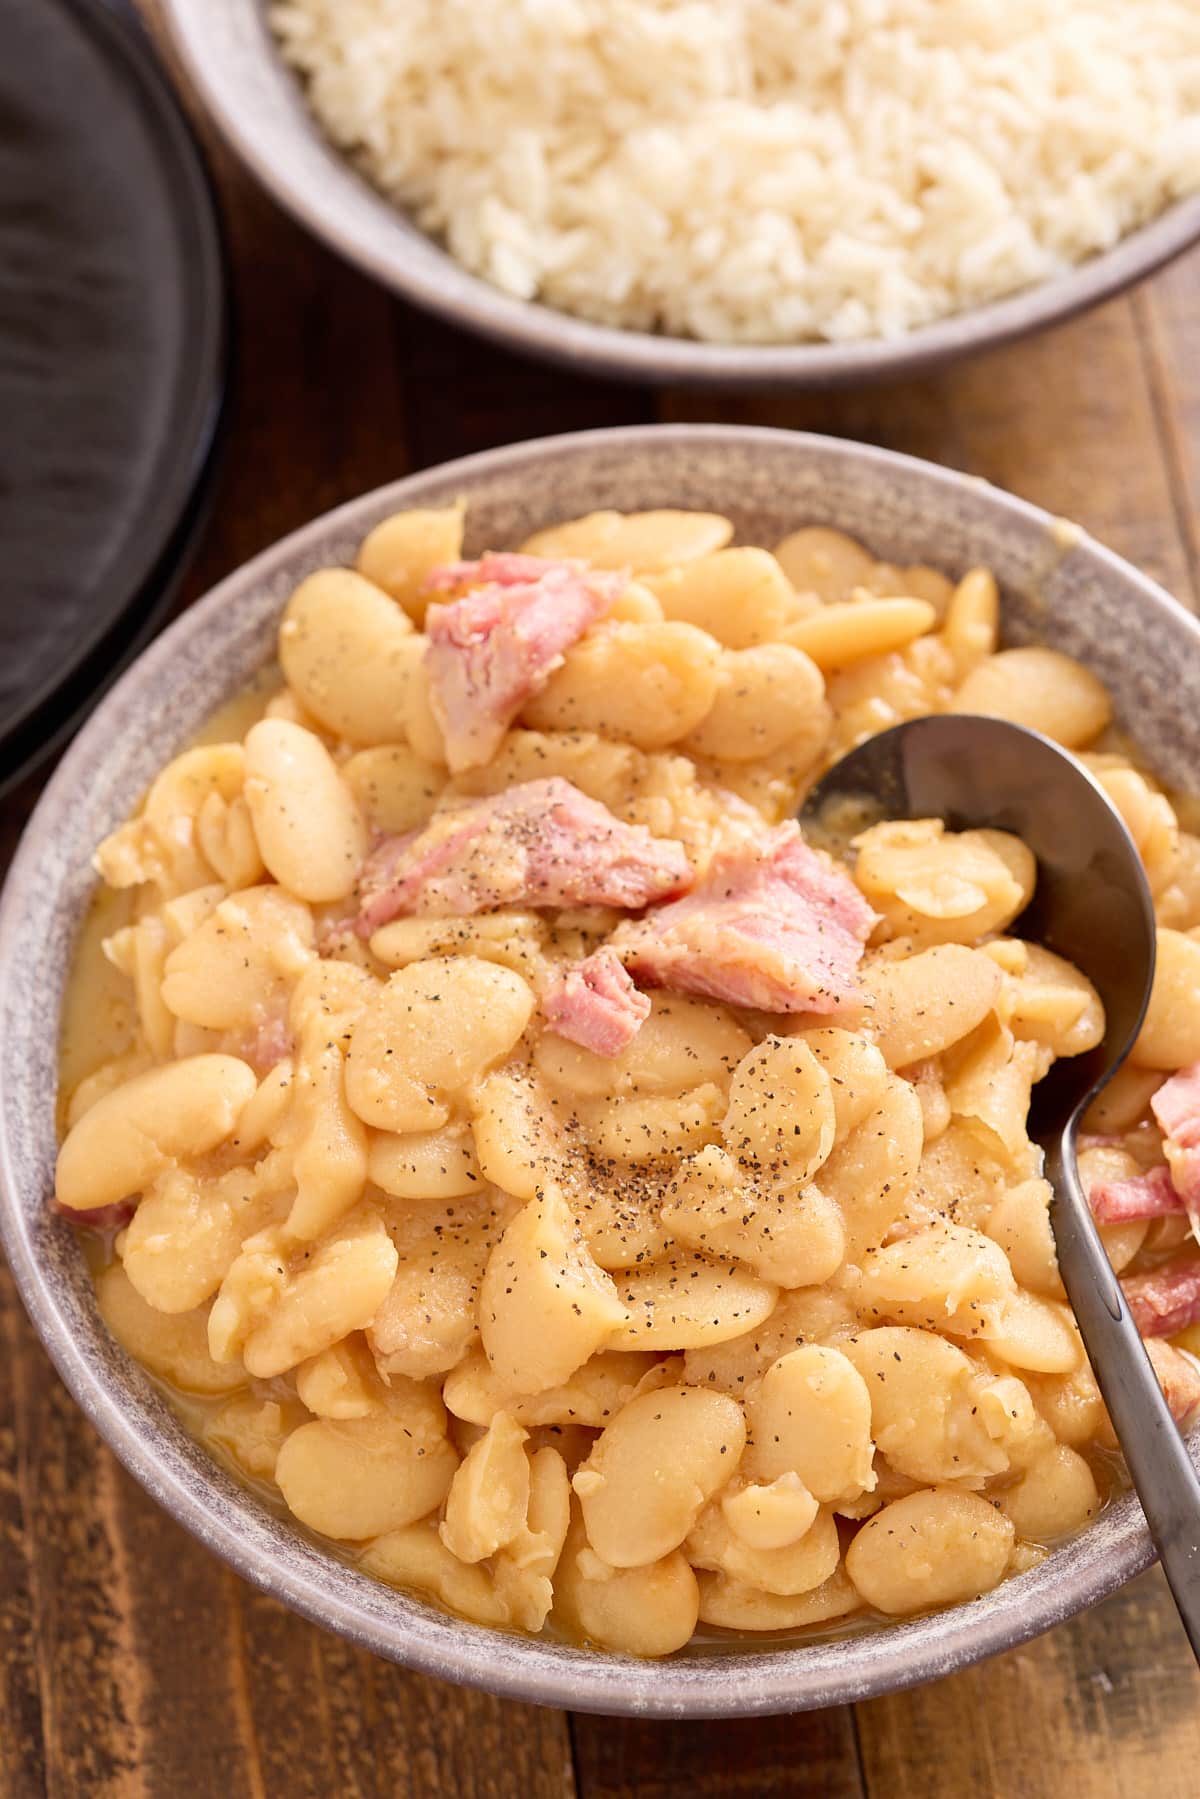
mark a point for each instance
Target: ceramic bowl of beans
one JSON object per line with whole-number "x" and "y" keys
{"x": 467, "y": 1246}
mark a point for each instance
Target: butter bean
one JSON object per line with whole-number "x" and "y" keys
{"x": 361, "y": 1477}
{"x": 182, "y": 1109}
{"x": 309, "y": 829}
{"x": 653, "y": 1469}
{"x": 349, "y": 652}
{"x": 936, "y": 1547}
{"x": 632, "y": 1611}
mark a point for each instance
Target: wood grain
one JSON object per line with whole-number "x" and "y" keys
{"x": 1067, "y": 420}
{"x": 1108, "y": 1707}
{"x": 812, "y": 1756}
{"x": 131, "y": 1628}
{"x": 22, "y": 1743}
{"x": 1168, "y": 317}
{"x": 466, "y": 395}
{"x": 130, "y": 1662}
{"x": 317, "y": 409}
{"x": 330, "y": 1719}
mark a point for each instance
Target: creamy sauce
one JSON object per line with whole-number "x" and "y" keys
{"x": 99, "y": 1020}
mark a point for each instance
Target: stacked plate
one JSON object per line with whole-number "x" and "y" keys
{"x": 113, "y": 346}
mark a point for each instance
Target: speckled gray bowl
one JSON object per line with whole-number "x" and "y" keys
{"x": 231, "y": 57}
{"x": 1067, "y": 591}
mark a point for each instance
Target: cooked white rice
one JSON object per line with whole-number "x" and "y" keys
{"x": 762, "y": 170}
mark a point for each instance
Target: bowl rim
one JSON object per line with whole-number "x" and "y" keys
{"x": 438, "y": 283}
{"x": 748, "y": 1683}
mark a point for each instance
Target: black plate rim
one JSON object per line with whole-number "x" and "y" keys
{"x": 144, "y": 577}
{"x": 48, "y": 731}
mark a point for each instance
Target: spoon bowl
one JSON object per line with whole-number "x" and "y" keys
{"x": 1092, "y": 906}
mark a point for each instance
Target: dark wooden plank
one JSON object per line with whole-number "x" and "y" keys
{"x": 810, "y": 1756}
{"x": 131, "y": 1621}
{"x": 317, "y": 412}
{"x": 286, "y": 1699}
{"x": 193, "y": 1725}
{"x": 1167, "y": 312}
{"x": 400, "y": 1734}
{"x": 464, "y": 394}
{"x": 331, "y": 1719}
{"x": 1107, "y": 1707}
{"x": 22, "y": 1748}
{"x": 80, "y": 1631}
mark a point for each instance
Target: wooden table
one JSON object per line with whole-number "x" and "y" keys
{"x": 130, "y": 1661}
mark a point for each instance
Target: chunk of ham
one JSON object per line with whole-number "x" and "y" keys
{"x": 773, "y": 925}
{"x": 501, "y": 568}
{"x": 1149, "y": 1195}
{"x": 100, "y": 1218}
{"x": 542, "y": 843}
{"x": 1176, "y": 1107}
{"x": 499, "y": 644}
{"x": 594, "y": 1003}
{"x": 1179, "y": 1378}
{"x": 1166, "y": 1299}
{"x": 268, "y": 1043}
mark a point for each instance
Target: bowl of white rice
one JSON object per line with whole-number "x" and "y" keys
{"x": 779, "y": 191}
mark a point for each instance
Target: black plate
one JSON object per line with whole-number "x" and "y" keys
{"x": 113, "y": 346}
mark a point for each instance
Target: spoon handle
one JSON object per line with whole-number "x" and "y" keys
{"x": 1156, "y": 1455}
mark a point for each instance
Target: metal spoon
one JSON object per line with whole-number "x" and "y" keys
{"x": 1092, "y": 906}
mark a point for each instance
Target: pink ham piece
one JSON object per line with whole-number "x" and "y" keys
{"x": 268, "y": 1044}
{"x": 1176, "y": 1106}
{"x": 499, "y": 644}
{"x": 100, "y": 1218}
{"x": 1178, "y": 1376}
{"x": 773, "y": 925}
{"x": 595, "y": 1004}
{"x": 1167, "y": 1299}
{"x": 504, "y": 568}
{"x": 542, "y": 843}
{"x": 1149, "y": 1195}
